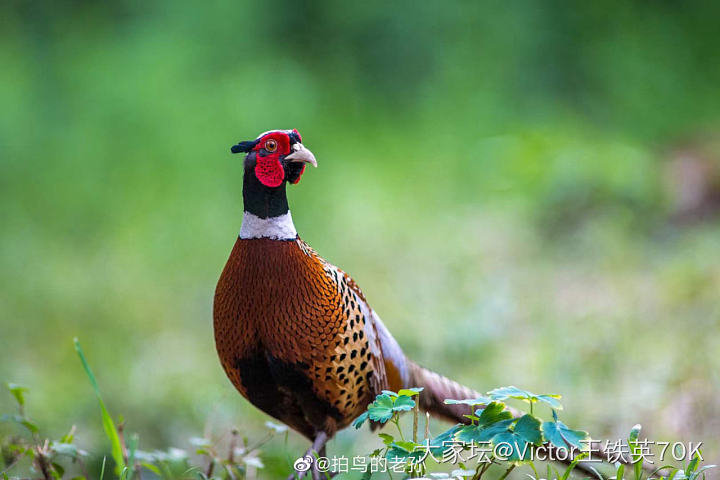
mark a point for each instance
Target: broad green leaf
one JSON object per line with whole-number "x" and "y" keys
{"x": 409, "y": 392}
{"x": 436, "y": 444}
{"x": 403, "y": 450}
{"x": 469, "y": 401}
{"x": 551, "y": 400}
{"x": 483, "y": 433}
{"x": 515, "y": 446}
{"x": 504, "y": 393}
{"x": 381, "y": 410}
{"x": 493, "y": 412}
{"x": 403, "y": 403}
{"x": 528, "y": 427}
{"x": 562, "y": 436}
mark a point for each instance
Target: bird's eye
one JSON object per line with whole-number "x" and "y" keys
{"x": 271, "y": 145}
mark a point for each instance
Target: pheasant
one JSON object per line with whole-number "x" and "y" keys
{"x": 295, "y": 334}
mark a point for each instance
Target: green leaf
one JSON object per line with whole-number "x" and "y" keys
{"x": 492, "y": 413}
{"x": 551, "y": 400}
{"x": 381, "y": 410}
{"x": 480, "y": 433}
{"x": 152, "y": 468}
{"x": 528, "y": 427}
{"x": 108, "y": 424}
{"x": 403, "y": 451}
{"x": 17, "y": 391}
{"x": 517, "y": 448}
{"x": 68, "y": 449}
{"x": 358, "y": 422}
{"x": 562, "y": 436}
{"x": 469, "y": 401}
{"x": 403, "y": 403}
{"x": 619, "y": 474}
{"x": 386, "y": 438}
{"x": 409, "y": 392}
{"x": 574, "y": 463}
{"x": 504, "y": 393}
{"x": 436, "y": 444}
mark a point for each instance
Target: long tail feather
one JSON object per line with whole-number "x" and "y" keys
{"x": 438, "y": 388}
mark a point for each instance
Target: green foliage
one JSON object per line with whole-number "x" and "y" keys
{"x": 560, "y": 435}
{"x": 385, "y": 406}
{"x": 512, "y": 439}
{"x": 513, "y": 392}
{"x": 493, "y": 423}
{"x": 49, "y": 459}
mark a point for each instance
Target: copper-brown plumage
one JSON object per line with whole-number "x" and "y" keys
{"x": 280, "y": 305}
{"x": 277, "y": 301}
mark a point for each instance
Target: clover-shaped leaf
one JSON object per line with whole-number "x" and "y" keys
{"x": 483, "y": 433}
{"x": 438, "y": 444}
{"x": 399, "y": 450}
{"x": 504, "y": 393}
{"x": 381, "y": 410}
{"x": 469, "y": 401}
{"x": 403, "y": 404}
{"x": 384, "y": 407}
{"x": 529, "y": 428}
{"x": 511, "y": 446}
{"x": 410, "y": 392}
{"x": 492, "y": 413}
{"x": 562, "y": 436}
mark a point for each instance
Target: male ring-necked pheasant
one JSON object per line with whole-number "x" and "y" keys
{"x": 294, "y": 333}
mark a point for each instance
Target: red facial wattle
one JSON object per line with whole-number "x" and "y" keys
{"x": 269, "y": 170}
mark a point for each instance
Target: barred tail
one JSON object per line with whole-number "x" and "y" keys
{"x": 438, "y": 388}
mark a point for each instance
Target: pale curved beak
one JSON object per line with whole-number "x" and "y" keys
{"x": 301, "y": 154}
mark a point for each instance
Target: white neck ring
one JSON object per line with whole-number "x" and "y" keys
{"x": 276, "y": 228}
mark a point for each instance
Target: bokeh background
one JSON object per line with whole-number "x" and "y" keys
{"x": 528, "y": 193}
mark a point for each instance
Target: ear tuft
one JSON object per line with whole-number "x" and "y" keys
{"x": 244, "y": 146}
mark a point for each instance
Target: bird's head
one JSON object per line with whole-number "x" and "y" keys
{"x": 276, "y": 157}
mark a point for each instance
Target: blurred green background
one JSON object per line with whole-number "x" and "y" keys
{"x": 526, "y": 192}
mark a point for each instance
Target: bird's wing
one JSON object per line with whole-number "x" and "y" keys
{"x": 354, "y": 298}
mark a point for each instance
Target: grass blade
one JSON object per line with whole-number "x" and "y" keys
{"x": 108, "y": 424}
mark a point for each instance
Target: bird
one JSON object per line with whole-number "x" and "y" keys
{"x": 295, "y": 334}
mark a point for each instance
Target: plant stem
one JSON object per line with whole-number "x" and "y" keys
{"x": 416, "y": 411}
{"x": 507, "y": 472}
{"x": 396, "y": 421}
